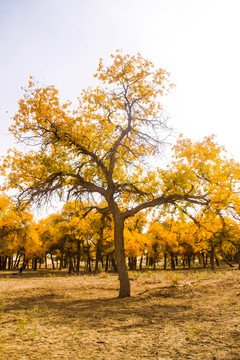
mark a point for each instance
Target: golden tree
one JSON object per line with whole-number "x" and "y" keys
{"x": 17, "y": 232}
{"x": 102, "y": 148}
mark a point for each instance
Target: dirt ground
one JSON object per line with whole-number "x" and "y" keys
{"x": 171, "y": 315}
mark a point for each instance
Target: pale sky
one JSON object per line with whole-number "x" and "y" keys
{"x": 59, "y": 42}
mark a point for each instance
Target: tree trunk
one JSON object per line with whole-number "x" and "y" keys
{"x": 212, "y": 259}
{"x": 199, "y": 259}
{"x": 120, "y": 257}
{"x": 237, "y": 257}
{"x": 99, "y": 245}
{"x": 61, "y": 262}
{"x": 53, "y": 266}
{"x": 206, "y": 259}
{"x": 154, "y": 264}
{"x": 176, "y": 261}
{"x": 98, "y": 256}
{"x": 4, "y": 265}
{"x": 165, "y": 261}
{"x": 225, "y": 259}
{"x": 78, "y": 256}
{"x": 106, "y": 264}
{"x": 89, "y": 259}
{"x": 147, "y": 259}
{"x": 172, "y": 261}
{"x": 34, "y": 264}
{"x": 70, "y": 268}
{"x": 16, "y": 260}
{"x": 10, "y": 261}
{"x": 203, "y": 260}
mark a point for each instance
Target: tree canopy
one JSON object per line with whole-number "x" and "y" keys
{"x": 106, "y": 151}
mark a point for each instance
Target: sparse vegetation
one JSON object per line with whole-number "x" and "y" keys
{"x": 171, "y": 315}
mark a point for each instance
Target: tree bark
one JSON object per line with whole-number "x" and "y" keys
{"x": 71, "y": 267}
{"x": 120, "y": 257}
{"x": 16, "y": 260}
{"x": 225, "y": 259}
{"x": 165, "y": 261}
{"x": 98, "y": 254}
{"x": 89, "y": 259}
{"x": 212, "y": 258}
{"x": 203, "y": 259}
{"x": 78, "y": 256}
{"x": 183, "y": 261}
{"x": 53, "y": 266}
{"x": 10, "y": 260}
{"x": 106, "y": 264}
{"x": 172, "y": 261}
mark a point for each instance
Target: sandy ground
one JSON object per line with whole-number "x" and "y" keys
{"x": 171, "y": 315}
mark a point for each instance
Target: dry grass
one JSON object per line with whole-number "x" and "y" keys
{"x": 171, "y": 315}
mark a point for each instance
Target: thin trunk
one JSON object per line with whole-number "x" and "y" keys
{"x": 34, "y": 263}
{"x": 61, "y": 262}
{"x": 176, "y": 261}
{"x": 114, "y": 265}
{"x": 129, "y": 263}
{"x": 154, "y": 264}
{"x": 78, "y": 256}
{"x": 98, "y": 255}
{"x": 106, "y": 264}
{"x": 147, "y": 259}
{"x": 212, "y": 258}
{"x": 53, "y": 266}
{"x": 225, "y": 259}
{"x": 199, "y": 260}
{"x": 89, "y": 259}
{"x": 10, "y": 263}
{"x": 165, "y": 261}
{"x": 203, "y": 260}
{"x": 172, "y": 261}
{"x": 99, "y": 245}
{"x": 71, "y": 268}
{"x": 4, "y": 267}
{"x": 16, "y": 260}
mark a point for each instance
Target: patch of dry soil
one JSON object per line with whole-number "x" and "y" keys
{"x": 80, "y": 317}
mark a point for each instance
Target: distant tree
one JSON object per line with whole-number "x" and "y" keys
{"x": 206, "y": 166}
{"x": 18, "y": 235}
